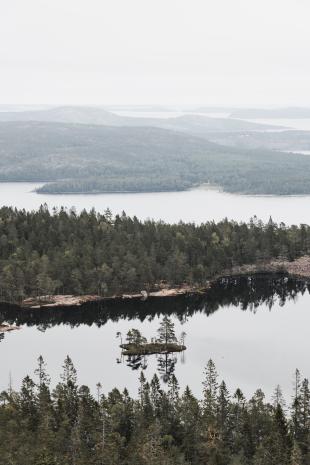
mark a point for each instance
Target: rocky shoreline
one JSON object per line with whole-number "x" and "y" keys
{"x": 77, "y": 301}
{"x": 5, "y": 328}
{"x": 299, "y": 268}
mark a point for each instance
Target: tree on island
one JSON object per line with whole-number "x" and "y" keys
{"x": 166, "y": 331}
{"x": 135, "y": 337}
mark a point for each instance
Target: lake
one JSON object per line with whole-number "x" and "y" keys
{"x": 257, "y": 347}
{"x": 198, "y": 205}
{"x": 256, "y": 331}
{"x": 302, "y": 124}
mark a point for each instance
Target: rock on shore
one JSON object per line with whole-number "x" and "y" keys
{"x": 59, "y": 301}
{"x": 73, "y": 301}
{"x": 4, "y": 328}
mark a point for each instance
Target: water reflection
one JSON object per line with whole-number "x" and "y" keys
{"x": 137, "y": 350}
{"x": 247, "y": 292}
{"x": 136, "y": 362}
{"x": 166, "y": 363}
{"x": 250, "y": 351}
{"x": 166, "y": 366}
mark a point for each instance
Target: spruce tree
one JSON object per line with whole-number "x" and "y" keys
{"x": 166, "y": 331}
{"x": 210, "y": 392}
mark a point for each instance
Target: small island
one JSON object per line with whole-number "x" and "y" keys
{"x": 137, "y": 344}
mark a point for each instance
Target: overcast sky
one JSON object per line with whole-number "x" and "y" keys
{"x": 155, "y": 51}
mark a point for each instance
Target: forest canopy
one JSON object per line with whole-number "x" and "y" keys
{"x": 64, "y": 252}
{"x": 70, "y": 424}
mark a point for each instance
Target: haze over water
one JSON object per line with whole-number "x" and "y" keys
{"x": 197, "y": 205}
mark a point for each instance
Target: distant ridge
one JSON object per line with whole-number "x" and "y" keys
{"x": 190, "y": 123}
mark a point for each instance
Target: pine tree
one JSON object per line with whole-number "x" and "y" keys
{"x": 28, "y": 404}
{"x": 142, "y": 382}
{"x": 304, "y": 433}
{"x": 155, "y": 392}
{"x": 190, "y": 418}
{"x": 296, "y": 407}
{"x": 166, "y": 331}
{"x": 43, "y": 377}
{"x": 278, "y": 398}
{"x": 224, "y": 417}
{"x": 238, "y": 409}
{"x": 210, "y": 392}
{"x": 173, "y": 390}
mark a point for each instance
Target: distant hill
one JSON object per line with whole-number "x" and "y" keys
{"x": 194, "y": 124}
{"x": 276, "y": 113}
{"x": 64, "y": 114}
{"x": 291, "y": 140}
{"x": 80, "y": 158}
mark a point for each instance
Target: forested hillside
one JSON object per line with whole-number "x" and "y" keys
{"x": 69, "y": 425}
{"x": 84, "y": 158}
{"x": 291, "y": 140}
{"x": 44, "y": 253}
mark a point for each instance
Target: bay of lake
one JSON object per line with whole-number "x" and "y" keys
{"x": 197, "y": 205}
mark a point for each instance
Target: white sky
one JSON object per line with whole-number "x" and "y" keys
{"x": 155, "y": 51}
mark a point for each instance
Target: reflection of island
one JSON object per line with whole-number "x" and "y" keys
{"x": 137, "y": 348}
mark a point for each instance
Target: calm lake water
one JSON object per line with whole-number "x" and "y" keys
{"x": 257, "y": 333}
{"x": 197, "y": 205}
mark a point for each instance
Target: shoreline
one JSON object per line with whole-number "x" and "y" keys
{"x": 6, "y": 328}
{"x": 299, "y": 269}
{"x": 77, "y": 301}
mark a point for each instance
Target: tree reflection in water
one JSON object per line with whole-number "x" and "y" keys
{"x": 247, "y": 292}
{"x": 165, "y": 363}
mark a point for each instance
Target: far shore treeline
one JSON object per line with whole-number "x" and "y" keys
{"x": 62, "y": 252}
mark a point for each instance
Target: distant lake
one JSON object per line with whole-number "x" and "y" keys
{"x": 256, "y": 331}
{"x": 302, "y": 124}
{"x": 197, "y": 205}
{"x": 168, "y": 114}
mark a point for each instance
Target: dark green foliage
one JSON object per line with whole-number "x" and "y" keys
{"x": 69, "y": 426}
{"x": 166, "y": 332}
{"x": 44, "y": 253}
{"x": 135, "y": 337}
